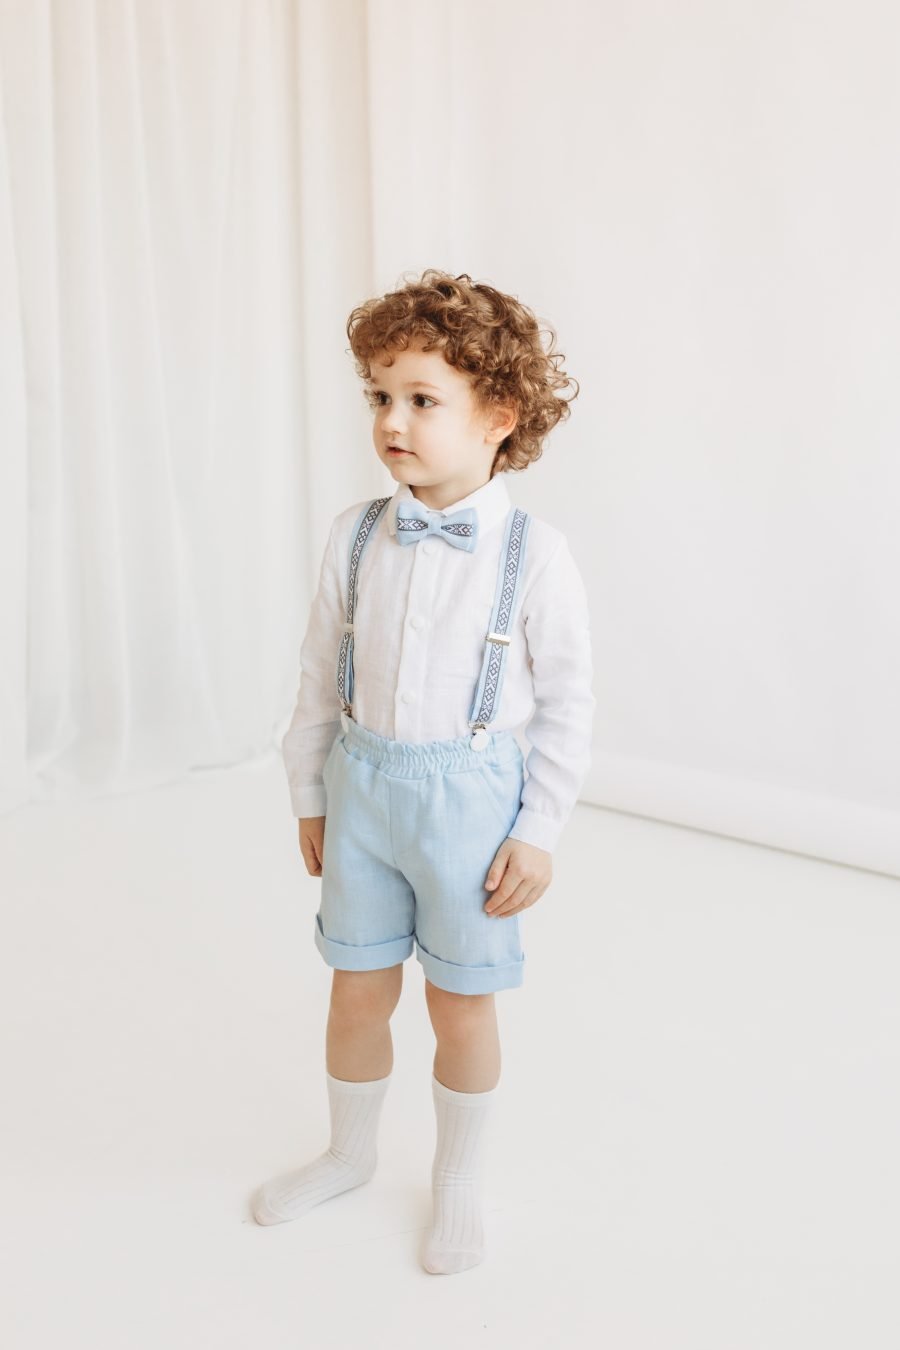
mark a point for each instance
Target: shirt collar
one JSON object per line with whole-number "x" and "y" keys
{"x": 491, "y": 502}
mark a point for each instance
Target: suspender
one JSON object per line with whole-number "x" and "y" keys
{"x": 490, "y": 682}
{"x": 487, "y": 692}
{"x": 361, "y": 531}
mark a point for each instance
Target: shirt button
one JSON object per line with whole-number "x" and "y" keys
{"x": 416, "y": 621}
{"x": 427, "y": 546}
{"x": 406, "y": 696}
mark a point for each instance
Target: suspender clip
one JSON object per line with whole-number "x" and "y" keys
{"x": 480, "y": 737}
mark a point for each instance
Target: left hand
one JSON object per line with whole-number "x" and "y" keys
{"x": 519, "y": 875}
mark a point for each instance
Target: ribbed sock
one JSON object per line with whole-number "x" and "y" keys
{"x": 348, "y": 1161}
{"x": 456, "y": 1241}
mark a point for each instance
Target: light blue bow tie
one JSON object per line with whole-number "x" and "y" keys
{"x": 415, "y": 521}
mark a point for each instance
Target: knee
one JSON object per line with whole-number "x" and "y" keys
{"x": 457, "y": 1015}
{"x": 365, "y": 995}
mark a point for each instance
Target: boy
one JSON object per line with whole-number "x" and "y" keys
{"x": 434, "y": 839}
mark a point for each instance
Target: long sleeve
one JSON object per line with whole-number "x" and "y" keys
{"x": 557, "y": 630}
{"x": 317, "y": 713}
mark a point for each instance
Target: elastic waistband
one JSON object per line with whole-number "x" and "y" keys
{"x": 409, "y": 759}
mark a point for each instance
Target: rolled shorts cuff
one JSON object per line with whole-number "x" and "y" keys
{"x": 457, "y": 979}
{"x": 372, "y": 956}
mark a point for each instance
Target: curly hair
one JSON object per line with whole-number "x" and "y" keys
{"x": 490, "y": 336}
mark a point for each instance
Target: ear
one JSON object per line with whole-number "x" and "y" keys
{"x": 503, "y": 420}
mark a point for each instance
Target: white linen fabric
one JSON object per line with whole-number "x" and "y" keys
{"x": 420, "y": 622}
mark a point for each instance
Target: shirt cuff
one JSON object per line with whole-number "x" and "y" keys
{"x": 308, "y": 801}
{"x": 533, "y": 828}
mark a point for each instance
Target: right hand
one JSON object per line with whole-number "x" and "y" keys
{"x": 312, "y": 843}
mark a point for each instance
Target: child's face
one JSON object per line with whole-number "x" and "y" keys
{"x": 426, "y": 407}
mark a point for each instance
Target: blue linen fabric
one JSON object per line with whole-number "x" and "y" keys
{"x": 410, "y": 833}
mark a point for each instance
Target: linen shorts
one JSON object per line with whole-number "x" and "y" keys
{"x": 410, "y": 833}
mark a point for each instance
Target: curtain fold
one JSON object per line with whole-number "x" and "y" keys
{"x": 158, "y": 519}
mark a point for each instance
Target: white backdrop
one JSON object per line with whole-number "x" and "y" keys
{"x": 701, "y": 198}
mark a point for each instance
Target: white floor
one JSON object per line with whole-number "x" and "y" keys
{"x": 694, "y": 1145}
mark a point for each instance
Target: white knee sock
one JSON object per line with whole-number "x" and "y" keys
{"x": 456, "y": 1241}
{"x": 348, "y": 1161}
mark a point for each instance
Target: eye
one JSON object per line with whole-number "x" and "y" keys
{"x": 374, "y": 397}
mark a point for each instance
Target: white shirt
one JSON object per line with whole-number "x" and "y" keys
{"x": 420, "y": 621}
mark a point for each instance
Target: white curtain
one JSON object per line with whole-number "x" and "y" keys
{"x": 159, "y": 267}
{"x": 700, "y": 198}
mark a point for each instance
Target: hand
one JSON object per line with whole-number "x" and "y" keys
{"x": 519, "y": 875}
{"x": 312, "y": 843}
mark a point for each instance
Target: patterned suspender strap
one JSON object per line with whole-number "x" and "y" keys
{"x": 512, "y": 555}
{"x": 365, "y": 523}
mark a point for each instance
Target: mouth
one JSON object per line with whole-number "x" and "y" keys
{"x": 395, "y": 450}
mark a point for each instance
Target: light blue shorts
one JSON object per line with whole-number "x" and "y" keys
{"x": 410, "y": 833}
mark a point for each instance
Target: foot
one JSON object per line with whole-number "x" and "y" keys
{"x": 293, "y": 1194}
{"x": 456, "y": 1240}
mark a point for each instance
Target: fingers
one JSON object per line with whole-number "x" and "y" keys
{"x": 522, "y": 873}
{"x": 514, "y": 893}
{"x": 312, "y": 851}
{"x": 313, "y": 865}
{"x": 524, "y": 895}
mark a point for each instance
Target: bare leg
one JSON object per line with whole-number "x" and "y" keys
{"x": 359, "y": 1057}
{"x": 467, "y": 1058}
{"x": 466, "y": 1072}
{"x": 358, "y": 1045}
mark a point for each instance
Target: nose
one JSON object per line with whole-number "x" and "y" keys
{"x": 390, "y": 423}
